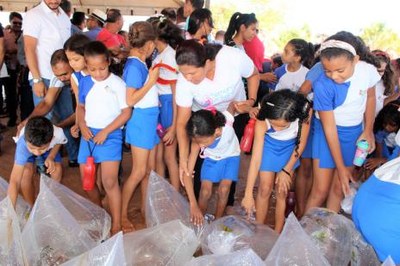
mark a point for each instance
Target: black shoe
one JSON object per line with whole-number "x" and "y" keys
{"x": 73, "y": 163}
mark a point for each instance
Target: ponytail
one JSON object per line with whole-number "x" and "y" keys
{"x": 203, "y": 123}
{"x": 238, "y": 19}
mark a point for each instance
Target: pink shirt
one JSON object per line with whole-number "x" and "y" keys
{"x": 255, "y": 50}
{"x": 111, "y": 40}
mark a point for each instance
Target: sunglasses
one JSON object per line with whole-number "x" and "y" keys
{"x": 17, "y": 23}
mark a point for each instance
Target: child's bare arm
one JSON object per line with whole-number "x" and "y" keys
{"x": 15, "y": 182}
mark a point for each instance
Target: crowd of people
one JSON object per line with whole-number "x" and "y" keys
{"x": 180, "y": 99}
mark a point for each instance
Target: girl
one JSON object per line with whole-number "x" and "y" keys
{"x": 385, "y": 87}
{"x": 141, "y": 128}
{"x": 101, "y": 127}
{"x": 297, "y": 56}
{"x": 280, "y": 136}
{"x": 241, "y": 28}
{"x": 168, "y": 37}
{"x": 344, "y": 98}
{"x": 200, "y": 25}
{"x": 213, "y": 136}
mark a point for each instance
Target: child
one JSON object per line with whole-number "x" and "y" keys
{"x": 141, "y": 128}
{"x": 297, "y": 57}
{"x": 241, "y": 28}
{"x": 39, "y": 142}
{"x": 213, "y": 136}
{"x": 169, "y": 36}
{"x": 280, "y": 136}
{"x": 344, "y": 98}
{"x": 102, "y": 113}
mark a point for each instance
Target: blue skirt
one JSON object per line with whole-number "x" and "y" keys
{"x": 166, "y": 110}
{"x": 376, "y": 214}
{"x": 141, "y": 128}
{"x": 307, "y": 153}
{"x": 217, "y": 170}
{"x": 109, "y": 151}
{"x": 347, "y": 138}
{"x": 276, "y": 154}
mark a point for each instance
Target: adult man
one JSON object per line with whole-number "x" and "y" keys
{"x": 46, "y": 29}
{"x": 59, "y": 100}
{"x": 2, "y": 127}
{"x": 95, "y": 23}
{"x": 11, "y": 36}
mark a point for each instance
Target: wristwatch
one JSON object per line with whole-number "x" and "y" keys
{"x": 35, "y": 81}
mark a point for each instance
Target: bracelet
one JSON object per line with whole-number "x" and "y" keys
{"x": 254, "y": 100}
{"x": 286, "y": 172}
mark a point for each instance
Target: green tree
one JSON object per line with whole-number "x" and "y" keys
{"x": 286, "y": 35}
{"x": 378, "y": 36}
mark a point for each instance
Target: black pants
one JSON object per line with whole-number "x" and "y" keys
{"x": 25, "y": 93}
{"x": 10, "y": 89}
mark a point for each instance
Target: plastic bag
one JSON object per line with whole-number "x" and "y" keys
{"x": 11, "y": 250}
{"x": 22, "y": 208}
{"x": 108, "y": 253}
{"x": 388, "y": 262}
{"x": 170, "y": 243}
{"x": 331, "y": 233}
{"x": 53, "y": 233}
{"x": 294, "y": 247}
{"x": 362, "y": 254}
{"x": 237, "y": 258}
{"x": 233, "y": 233}
{"x": 347, "y": 202}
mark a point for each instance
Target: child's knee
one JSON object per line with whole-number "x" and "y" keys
{"x": 265, "y": 191}
{"x": 205, "y": 192}
{"x": 223, "y": 191}
{"x": 110, "y": 182}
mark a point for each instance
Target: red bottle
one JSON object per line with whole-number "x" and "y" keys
{"x": 89, "y": 174}
{"x": 247, "y": 139}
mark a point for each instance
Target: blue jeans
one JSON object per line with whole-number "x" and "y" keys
{"x": 37, "y": 99}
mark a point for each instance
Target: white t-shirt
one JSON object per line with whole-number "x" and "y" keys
{"x": 103, "y": 100}
{"x": 50, "y": 30}
{"x": 231, "y": 65}
{"x": 166, "y": 57}
{"x": 55, "y": 82}
{"x": 285, "y": 134}
{"x": 58, "y": 138}
{"x": 228, "y": 144}
{"x": 292, "y": 80}
{"x": 380, "y": 97}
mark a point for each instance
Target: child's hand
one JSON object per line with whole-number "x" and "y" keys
{"x": 153, "y": 75}
{"x": 86, "y": 133}
{"x": 249, "y": 205}
{"x": 283, "y": 182}
{"x": 345, "y": 177}
{"x": 50, "y": 164}
{"x": 370, "y": 138}
{"x": 75, "y": 131}
{"x": 196, "y": 216}
{"x": 169, "y": 136}
{"x": 373, "y": 163}
{"x": 100, "y": 137}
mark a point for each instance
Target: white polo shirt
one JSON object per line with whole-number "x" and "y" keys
{"x": 50, "y": 30}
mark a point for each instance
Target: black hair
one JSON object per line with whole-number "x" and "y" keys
{"x": 66, "y": 6}
{"x": 277, "y": 60}
{"x": 193, "y": 53}
{"x": 113, "y": 15}
{"x": 203, "y": 123}
{"x": 96, "y": 48}
{"x": 141, "y": 32}
{"x": 361, "y": 49}
{"x": 39, "y": 131}
{"x": 76, "y": 43}
{"x": 169, "y": 13}
{"x": 287, "y": 105}
{"x": 78, "y": 18}
{"x": 305, "y": 50}
{"x": 238, "y": 19}
{"x": 168, "y": 32}
{"x": 388, "y": 75}
{"x": 14, "y": 15}
{"x": 58, "y": 56}
{"x": 197, "y": 4}
{"x": 389, "y": 114}
{"x": 198, "y": 17}
{"x": 179, "y": 14}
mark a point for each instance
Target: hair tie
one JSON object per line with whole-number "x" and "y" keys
{"x": 270, "y": 104}
{"x": 210, "y": 107}
{"x": 337, "y": 44}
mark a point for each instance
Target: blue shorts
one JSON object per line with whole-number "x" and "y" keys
{"x": 276, "y": 154}
{"x": 307, "y": 153}
{"x": 141, "y": 128}
{"x": 166, "y": 110}
{"x": 376, "y": 212}
{"x": 215, "y": 171}
{"x": 109, "y": 151}
{"x": 347, "y": 137}
{"x": 57, "y": 159}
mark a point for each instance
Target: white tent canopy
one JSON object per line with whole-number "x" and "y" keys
{"x": 127, "y": 7}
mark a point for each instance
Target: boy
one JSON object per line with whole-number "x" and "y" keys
{"x": 38, "y": 142}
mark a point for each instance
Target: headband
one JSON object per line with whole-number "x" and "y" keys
{"x": 338, "y": 44}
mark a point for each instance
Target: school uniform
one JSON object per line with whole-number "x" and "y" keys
{"x": 168, "y": 76}
{"x": 278, "y": 147}
{"x": 141, "y": 127}
{"x": 103, "y": 101}
{"x": 348, "y": 102}
{"x": 222, "y": 157}
{"x": 380, "y": 96}
{"x": 376, "y": 210}
{"x": 290, "y": 80}
{"x": 24, "y": 156}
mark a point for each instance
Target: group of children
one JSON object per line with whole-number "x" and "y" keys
{"x": 306, "y": 129}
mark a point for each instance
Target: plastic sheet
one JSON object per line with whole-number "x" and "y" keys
{"x": 331, "y": 233}
{"x": 11, "y": 250}
{"x": 388, "y": 262}
{"x": 246, "y": 257}
{"x": 108, "y": 253}
{"x": 362, "y": 254}
{"x": 62, "y": 225}
{"x": 233, "y": 233}
{"x": 294, "y": 247}
{"x": 22, "y": 208}
{"x": 170, "y": 243}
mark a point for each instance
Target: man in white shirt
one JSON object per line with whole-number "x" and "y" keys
{"x": 46, "y": 28}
